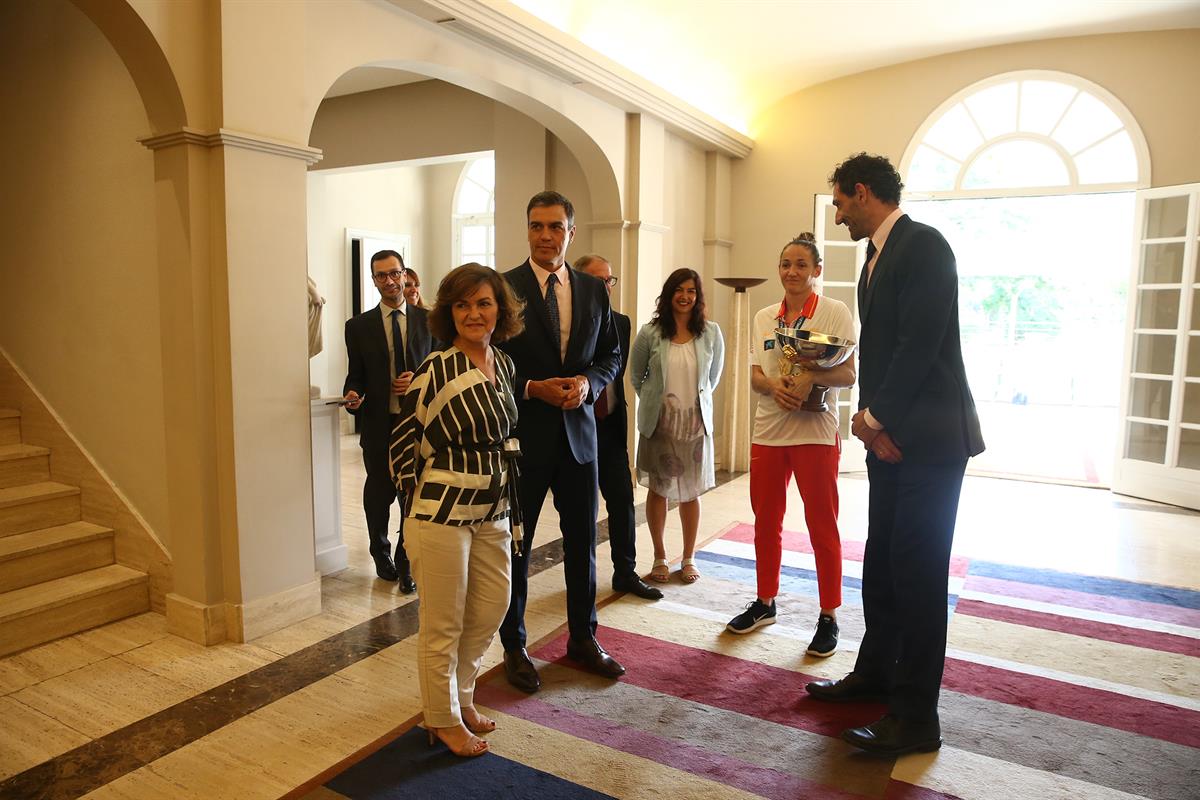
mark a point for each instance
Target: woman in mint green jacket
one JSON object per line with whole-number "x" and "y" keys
{"x": 675, "y": 365}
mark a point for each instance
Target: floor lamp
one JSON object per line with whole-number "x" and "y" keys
{"x": 736, "y": 456}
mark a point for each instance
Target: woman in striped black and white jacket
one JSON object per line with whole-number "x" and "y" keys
{"x": 453, "y": 456}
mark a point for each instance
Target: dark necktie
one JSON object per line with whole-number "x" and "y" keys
{"x": 552, "y": 310}
{"x": 398, "y": 344}
{"x": 870, "y": 255}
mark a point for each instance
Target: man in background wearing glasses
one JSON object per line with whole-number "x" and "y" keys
{"x": 384, "y": 345}
{"x": 612, "y": 452}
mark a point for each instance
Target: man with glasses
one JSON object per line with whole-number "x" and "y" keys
{"x": 384, "y": 345}
{"x": 612, "y": 452}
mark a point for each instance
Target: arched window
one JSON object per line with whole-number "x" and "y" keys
{"x": 1027, "y": 133}
{"x": 475, "y": 213}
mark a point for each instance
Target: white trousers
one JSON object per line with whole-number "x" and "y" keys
{"x": 463, "y": 575}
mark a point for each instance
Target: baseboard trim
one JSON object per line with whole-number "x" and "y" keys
{"x": 196, "y": 622}
{"x": 247, "y": 621}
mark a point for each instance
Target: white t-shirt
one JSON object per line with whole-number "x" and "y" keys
{"x": 772, "y": 424}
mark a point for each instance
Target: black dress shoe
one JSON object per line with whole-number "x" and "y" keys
{"x": 895, "y": 736}
{"x": 853, "y": 688}
{"x": 404, "y": 575}
{"x": 385, "y": 569}
{"x": 636, "y": 586}
{"x": 520, "y": 671}
{"x": 591, "y": 656}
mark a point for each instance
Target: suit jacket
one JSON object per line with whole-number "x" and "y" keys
{"x": 649, "y": 372}
{"x": 368, "y": 373}
{"x": 618, "y": 413}
{"x": 592, "y": 351}
{"x": 911, "y": 372}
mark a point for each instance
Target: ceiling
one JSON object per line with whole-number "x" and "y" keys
{"x": 733, "y": 59}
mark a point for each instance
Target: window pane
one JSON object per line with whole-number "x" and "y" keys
{"x": 1189, "y": 448}
{"x": 1191, "y": 403}
{"x": 955, "y": 134}
{"x": 1162, "y": 263}
{"x": 1150, "y": 398}
{"x": 1043, "y": 103}
{"x": 1193, "y": 356}
{"x": 483, "y": 172}
{"x": 844, "y": 293}
{"x": 1195, "y": 326}
{"x": 931, "y": 171}
{"x": 1154, "y": 354}
{"x": 833, "y": 231}
{"x": 1157, "y": 308}
{"x": 1166, "y": 217}
{"x": 474, "y": 239}
{"x": 1014, "y": 164}
{"x": 472, "y": 199}
{"x": 839, "y": 264}
{"x": 995, "y": 109}
{"x": 1146, "y": 442}
{"x": 1088, "y": 120}
{"x": 1111, "y": 161}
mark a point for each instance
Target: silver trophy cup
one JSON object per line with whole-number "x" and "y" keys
{"x": 804, "y": 350}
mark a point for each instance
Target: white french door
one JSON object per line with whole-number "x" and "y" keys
{"x": 1158, "y": 455}
{"x": 842, "y": 260}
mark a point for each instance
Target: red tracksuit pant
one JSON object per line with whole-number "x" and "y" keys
{"x": 815, "y": 468}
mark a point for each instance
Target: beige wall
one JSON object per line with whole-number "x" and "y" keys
{"x": 79, "y": 302}
{"x": 801, "y": 138}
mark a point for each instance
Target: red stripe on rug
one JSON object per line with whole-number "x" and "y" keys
{"x": 1092, "y": 602}
{"x": 1149, "y": 718}
{"x": 852, "y": 550}
{"x": 1104, "y": 631}
{"x": 721, "y": 681}
{"x": 778, "y": 695}
{"x": 725, "y": 770}
{"x": 899, "y": 790}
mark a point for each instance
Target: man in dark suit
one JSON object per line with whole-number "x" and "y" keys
{"x": 566, "y": 355}
{"x": 616, "y": 483}
{"x": 917, "y": 420}
{"x": 379, "y": 373}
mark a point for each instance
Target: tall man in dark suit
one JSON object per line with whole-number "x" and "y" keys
{"x": 917, "y": 420}
{"x": 616, "y": 484}
{"x": 567, "y": 353}
{"x": 381, "y": 367}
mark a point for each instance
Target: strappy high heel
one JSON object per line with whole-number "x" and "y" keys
{"x": 473, "y": 747}
{"x": 483, "y": 725}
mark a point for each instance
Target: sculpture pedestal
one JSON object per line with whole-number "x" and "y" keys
{"x": 331, "y": 553}
{"x": 735, "y": 455}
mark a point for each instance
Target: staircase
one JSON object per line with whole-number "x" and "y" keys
{"x": 57, "y": 573}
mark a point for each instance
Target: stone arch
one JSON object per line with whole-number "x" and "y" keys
{"x": 139, "y": 50}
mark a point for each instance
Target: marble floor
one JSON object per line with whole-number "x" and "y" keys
{"x": 128, "y": 711}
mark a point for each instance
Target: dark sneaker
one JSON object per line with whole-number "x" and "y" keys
{"x": 756, "y": 615}
{"x": 824, "y": 641}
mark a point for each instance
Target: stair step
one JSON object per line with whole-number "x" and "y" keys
{"x": 61, "y": 607}
{"x": 37, "y": 505}
{"x": 50, "y": 553}
{"x": 22, "y": 464}
{"x": 10, "y": 426}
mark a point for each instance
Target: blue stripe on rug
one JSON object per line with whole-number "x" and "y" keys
{"x": 1110, "y": 587}
{"x": 793, "y": 580}
{"x": 409, "y": 768}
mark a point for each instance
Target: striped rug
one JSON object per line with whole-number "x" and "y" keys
{"x": 1057, "y": 686}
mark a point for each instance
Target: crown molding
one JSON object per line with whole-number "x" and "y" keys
{"x": 718, "y": 243}
{"x": 514, "y": 33}
{"x": 225, "y": 137}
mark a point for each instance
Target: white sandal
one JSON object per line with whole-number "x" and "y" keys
{"x": 688, "y": 571}
{"x": 660, "y": 577}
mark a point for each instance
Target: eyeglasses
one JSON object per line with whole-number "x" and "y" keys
{"x": 383, "y": 277}
{"x": 611, "y": 280}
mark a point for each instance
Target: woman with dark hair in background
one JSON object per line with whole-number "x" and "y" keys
{"x": 675, "y": 365}
{"x": 452, "y": 456}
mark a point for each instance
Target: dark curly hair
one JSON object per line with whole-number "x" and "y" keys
{"x": 464, "y": 281}
{"x": 874, "y": 172}
{"x": 806, "y": 240}
{"x": 664, "y": 317}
